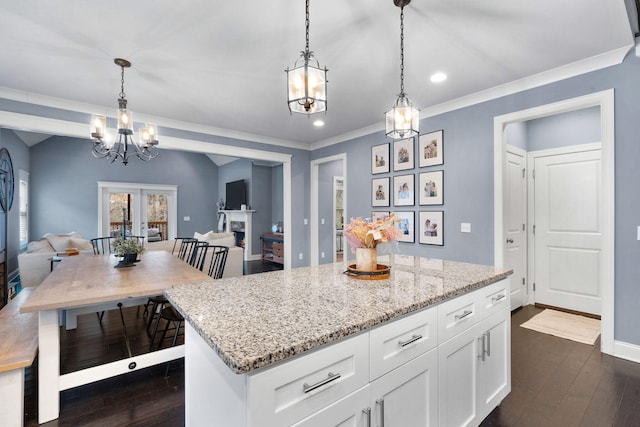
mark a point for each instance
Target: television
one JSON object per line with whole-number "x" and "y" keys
{"x": 236, "y": 194}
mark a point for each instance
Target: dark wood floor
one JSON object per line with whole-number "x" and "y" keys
{"x": 555, "y": 382}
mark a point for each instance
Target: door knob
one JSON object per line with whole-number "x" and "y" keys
{"x": 509, "y": 240}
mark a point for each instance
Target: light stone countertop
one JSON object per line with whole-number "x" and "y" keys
{"x": 253, "y": 321}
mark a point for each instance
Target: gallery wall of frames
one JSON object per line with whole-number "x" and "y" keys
{"x": 408, "y": 179}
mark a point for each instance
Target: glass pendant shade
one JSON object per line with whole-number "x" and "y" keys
{"x": 125, "y": 119}
{"x": 402, "y": 121}
{"x": 98, "y": 126}
{"x": 307, "y": 86}
{"x": 149, "y": 135}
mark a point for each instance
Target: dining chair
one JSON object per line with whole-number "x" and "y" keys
{"x": 218, "y": 261}
{"x": 181, "y": 247}
{"x": 215, "y": 270}
{"x": 102, "y": 245}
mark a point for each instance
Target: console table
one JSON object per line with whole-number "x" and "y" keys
{"x": 272, "y": 247}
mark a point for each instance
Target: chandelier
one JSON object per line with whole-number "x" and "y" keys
{"x": 306, "y": 81}
{"x": 124, "y": 143}
{"x": 402, "y": 119}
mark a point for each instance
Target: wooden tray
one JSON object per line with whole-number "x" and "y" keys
{"x": 382, "y": 272}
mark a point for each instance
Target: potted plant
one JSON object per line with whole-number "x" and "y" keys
{"x": 128, "y": 249}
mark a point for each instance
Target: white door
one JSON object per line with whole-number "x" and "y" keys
{"x": 515, "y": 219}
{"x": 140, "y": 206}
{"x": 568, "y": 230}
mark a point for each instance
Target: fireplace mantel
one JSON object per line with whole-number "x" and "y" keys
{"x": 245, "y": 217}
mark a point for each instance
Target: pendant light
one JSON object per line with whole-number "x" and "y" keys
{"x": 402, "y": 120}
{"x": 307, "y": 81}
{"x": 125, "y": 144}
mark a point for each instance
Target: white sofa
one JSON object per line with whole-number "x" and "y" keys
{"x": 35, "y": 263}
{"x": 235, "y": 258}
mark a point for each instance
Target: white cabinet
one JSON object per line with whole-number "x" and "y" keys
{"x": 475, "y": 371}
{"x": 495, "y": 380}
{"x": 408, "y": 395}
{"x": 350, "y": 411}
{"x": 447, "y": 365}
{"x": 286, "y": 393}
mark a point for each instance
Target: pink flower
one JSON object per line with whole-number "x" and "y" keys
{"x": 367, "y": 234}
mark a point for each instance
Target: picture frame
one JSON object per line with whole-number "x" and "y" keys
{"x": 376, "y": 215}
{"x": 406, "y": 226}
{"x": 404, "y": 190}
{"x": 431, "y": 228}
{"x": 431, "y": 149}
{"x": 380, "y": 195}
{"x": 403, "y": 154}
{"x": 431, "y": 188}
{"x": 380, "y": 159}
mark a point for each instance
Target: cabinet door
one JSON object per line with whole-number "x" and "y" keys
{"x": 350, "y": 411}
{"x": 458, "y": 379}
{"x": 408, "y": 395}
{"x": 495, "y": 373}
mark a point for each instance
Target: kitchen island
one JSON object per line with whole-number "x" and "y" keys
{"x": 312, "y": 346}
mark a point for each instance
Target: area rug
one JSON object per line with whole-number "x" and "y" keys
{"x": 565, "y": 325}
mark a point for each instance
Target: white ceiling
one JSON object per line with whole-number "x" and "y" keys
{"x": 222, "y": 64}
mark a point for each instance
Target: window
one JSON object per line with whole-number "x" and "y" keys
{"x": 23, "y": 199}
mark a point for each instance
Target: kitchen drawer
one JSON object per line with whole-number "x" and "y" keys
{"x": 402, "y": 340}
{"x": 495, "y": 297}
{"x": 458, "y": 315}
{"x": 289, "y": 392}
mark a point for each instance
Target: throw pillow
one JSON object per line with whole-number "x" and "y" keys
{"x": 80, "y": 244}
{"x": 202, "y": 237}
{"x": 39, "y": 246}
{"x": 58, "y": 243}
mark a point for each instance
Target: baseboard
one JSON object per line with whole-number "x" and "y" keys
{"x": 254, "y": 257}
{"x": 627, "y": 351}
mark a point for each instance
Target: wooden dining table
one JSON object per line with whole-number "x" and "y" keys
{"x": 91, "y": 283}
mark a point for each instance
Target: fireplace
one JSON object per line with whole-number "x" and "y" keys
{"x": 239, "y": 222}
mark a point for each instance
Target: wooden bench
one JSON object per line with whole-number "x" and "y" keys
{"x": 18, "y": 349}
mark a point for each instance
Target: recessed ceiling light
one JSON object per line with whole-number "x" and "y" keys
{"x": 318, "y": 123}
{"x": 438, "y": 77}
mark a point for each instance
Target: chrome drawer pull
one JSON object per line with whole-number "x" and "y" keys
{"x": 381, "y": 403}
{"x": 463, "y": 315}
{"x": 368, "y": 414}
{"x": 331, "y": 377}
{"x": 410, "y": 340}
{"x": 488, "y": 343}
{"x": 498, "y": 298}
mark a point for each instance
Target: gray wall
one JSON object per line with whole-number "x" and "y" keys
{"x": 562, "y": 130}
{"x": 326, "y": 172}
{"x": 64, "y": 189}
{"x": 19, "y": 153}
{"x": 468, "y": 188}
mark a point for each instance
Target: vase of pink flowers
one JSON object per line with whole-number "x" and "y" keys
{"x": 364, "y": 236}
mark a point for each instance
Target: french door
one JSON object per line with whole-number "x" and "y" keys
{"x": 137, "y": 209}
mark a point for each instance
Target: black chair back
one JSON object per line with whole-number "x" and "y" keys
{"x": 198, "y": 255}
{"x": 102, "y": 245}
{"x": 186, "y": 248}
{"x": 218, "y": 260}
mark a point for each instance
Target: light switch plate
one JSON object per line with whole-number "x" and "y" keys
{"x": 187, "y": 218}
{"x": 465, "y": 227}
